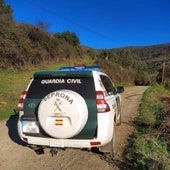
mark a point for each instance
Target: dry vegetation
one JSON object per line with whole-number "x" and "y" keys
{"x": 23, "y": 46}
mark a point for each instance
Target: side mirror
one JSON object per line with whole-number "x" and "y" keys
{"x": 120, "y": 89}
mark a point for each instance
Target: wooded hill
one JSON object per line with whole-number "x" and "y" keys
{"x": 23, "y": 45}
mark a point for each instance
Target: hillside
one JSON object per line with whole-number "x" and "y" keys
{"x": 154, "y": 51}
{"x": 23, "y": 46}
{"x": 155, "y": 57}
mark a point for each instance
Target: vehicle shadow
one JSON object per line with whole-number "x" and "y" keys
{"x": 12, "y": 130}
{"x": 115, "y": 163}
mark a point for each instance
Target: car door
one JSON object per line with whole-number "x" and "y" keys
{"x": 112, "y": 96}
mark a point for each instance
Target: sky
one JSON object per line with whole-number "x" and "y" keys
{"x": 100, "y": 24}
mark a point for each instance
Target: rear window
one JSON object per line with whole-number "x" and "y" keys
{"x": 108, "y": 85}
{"x": 40, "y": 87}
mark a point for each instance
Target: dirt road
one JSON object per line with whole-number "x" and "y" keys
{"x": 14, "y": 155}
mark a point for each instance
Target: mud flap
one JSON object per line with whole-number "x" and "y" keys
{"x": 110, "y": 148}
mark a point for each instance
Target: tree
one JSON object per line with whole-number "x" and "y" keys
{"x": 42, "y": 25}
{"x": 5, "y": 13}
{"x": 69, "y": 37}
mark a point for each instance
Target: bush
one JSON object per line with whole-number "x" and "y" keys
{"x": 146, "y": 150}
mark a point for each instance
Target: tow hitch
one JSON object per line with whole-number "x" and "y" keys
{"x": 53, "y": 151}
{"x": 38, "y": 149}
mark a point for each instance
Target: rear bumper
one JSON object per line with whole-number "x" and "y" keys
{"x": 60, "y": 143}
{"x": 104, "y": 136}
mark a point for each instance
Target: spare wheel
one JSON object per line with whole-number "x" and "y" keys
{"x": 62, "y": 113}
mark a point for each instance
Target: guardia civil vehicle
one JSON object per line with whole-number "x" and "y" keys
{"x": 73, "y": 107}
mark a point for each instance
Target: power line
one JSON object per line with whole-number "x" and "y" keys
{"x": 74, "y": 23}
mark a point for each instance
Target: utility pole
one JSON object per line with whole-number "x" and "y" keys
{"x": 163, "y": 71}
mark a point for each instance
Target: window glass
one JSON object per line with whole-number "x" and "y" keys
{"x": 40, "y": 87}
{"x": 108, "y": 85}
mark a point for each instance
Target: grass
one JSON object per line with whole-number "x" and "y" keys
{"x": 146, "y": 150}
{"x": 12, "y": 84}
{"x": 151, "y": 106}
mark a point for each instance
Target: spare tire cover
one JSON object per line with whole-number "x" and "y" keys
{"x": 62, "y": 113}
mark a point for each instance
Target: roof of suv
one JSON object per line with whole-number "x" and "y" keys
{"x": 69, "y": 71}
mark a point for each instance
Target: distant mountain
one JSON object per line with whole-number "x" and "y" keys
{"x": 157, "y": 58}
{"x": 153, "y": 51}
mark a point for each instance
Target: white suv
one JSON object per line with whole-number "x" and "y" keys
{"x": 74, "y": 107}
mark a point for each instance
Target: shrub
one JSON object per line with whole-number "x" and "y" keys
{"x": 146, "y": 150}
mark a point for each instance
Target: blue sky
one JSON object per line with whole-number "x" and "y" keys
{"x": 101, "y": 23}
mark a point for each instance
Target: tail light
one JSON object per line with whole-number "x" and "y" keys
{"x": 21, "y": 100}
{"x": 102, "y": 105}
{"x": 96, "y": 143}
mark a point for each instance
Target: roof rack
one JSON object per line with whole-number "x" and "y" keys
{"x": 80, "y": 68}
